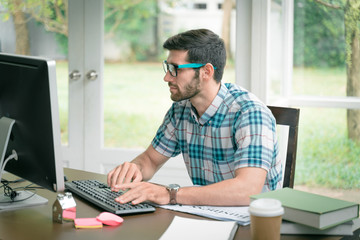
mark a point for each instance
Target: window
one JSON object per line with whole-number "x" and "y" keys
{"x": 319, "y": 50}
{"x": 199, "y": 5}
{"x": 136, "y": 98}
{"x": 320, "y": 87}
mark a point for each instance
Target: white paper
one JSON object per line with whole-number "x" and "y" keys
{"x": 187, "y": 228}
{"x": 239, "y": 214}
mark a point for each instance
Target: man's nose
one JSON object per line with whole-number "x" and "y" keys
{"x": 168, "y": 77}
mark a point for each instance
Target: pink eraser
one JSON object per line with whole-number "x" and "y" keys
{"x": 109, "y": 219}
{"x": 87, "y": 223}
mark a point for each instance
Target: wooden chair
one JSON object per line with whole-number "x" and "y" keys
{"x": 287, "y": 117}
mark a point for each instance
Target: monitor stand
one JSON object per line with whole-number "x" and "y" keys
{"x": 23, "y": 198}
{"x": 6, "y": 125}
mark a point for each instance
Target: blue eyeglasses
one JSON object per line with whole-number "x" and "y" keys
{"x": 173, "y": 68}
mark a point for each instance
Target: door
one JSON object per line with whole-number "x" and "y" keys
{"x": 85, "y": 84}
{"x": 86, "y": 148}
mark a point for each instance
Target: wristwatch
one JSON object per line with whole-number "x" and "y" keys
{"x": 173, "y": 189}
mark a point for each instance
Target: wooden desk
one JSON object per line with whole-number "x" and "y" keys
{"x": 36, "y": 222}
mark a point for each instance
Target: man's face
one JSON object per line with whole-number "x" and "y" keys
{"x": 186, "y": 84}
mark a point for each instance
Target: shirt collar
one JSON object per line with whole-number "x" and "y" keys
{"x": 214, "y": 106}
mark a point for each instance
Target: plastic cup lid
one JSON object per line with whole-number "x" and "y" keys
{"x": 266, "y": 207}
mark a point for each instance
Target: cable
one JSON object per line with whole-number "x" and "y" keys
{"x": 12, "y": 192}
{"x": 8, "y": 191}
{"x": 19, "y": 180}
{"x": 12, "y": 201}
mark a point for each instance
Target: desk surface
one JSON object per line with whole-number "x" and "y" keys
{"x": 36, "y": 222}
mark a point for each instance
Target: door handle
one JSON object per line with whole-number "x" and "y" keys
{"x": 92, "y": 75}
{"x": 75, "y": 75}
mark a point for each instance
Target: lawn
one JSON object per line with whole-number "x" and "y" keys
{"x": 325, "y": 156}
{"x": 136, "y": 98}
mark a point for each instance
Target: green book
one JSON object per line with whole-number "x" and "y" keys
{"x": 343, "y": 229}
{"x": 312, "y": 209}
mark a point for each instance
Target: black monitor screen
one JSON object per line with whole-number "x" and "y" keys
{"x": 28, "y": 95}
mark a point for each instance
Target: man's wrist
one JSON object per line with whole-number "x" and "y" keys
{"x": 173, "y": 189}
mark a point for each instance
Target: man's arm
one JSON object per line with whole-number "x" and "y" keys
{"x": 143, "y": 167}
{"x": 231, "y": 192}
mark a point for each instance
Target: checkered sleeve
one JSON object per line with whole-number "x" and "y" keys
{"x": 255, "y": 135}
{"x": 165, "y": 141}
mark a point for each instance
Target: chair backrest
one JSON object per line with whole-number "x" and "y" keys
{"x": 288, "y": 117}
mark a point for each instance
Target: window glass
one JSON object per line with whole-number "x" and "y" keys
{"x": 325, "y": 156}
{"x": 200, "y": 5}
{"x": 136, "y": 98}
{"x": 63, "y": 98}
{"x": 319, "y": 50}
{"x": 26, "y": 36}
{"x": 276, "y": 55}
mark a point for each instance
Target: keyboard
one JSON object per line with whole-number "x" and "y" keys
{"x": 100, "y": 195}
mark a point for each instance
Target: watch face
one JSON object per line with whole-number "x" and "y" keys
{"x": 174, "y": 186}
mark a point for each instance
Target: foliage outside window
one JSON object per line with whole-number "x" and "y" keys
{"x": 326, "y": 40}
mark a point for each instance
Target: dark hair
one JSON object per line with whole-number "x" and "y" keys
{"x": 203, "y": 46}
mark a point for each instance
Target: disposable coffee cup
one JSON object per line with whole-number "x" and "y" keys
{"x": 265, "y": 217}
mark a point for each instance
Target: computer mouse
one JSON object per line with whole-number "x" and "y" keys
{"x": 109, "y": 219}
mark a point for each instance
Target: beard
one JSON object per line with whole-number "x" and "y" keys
{"x": 190, "y": 90}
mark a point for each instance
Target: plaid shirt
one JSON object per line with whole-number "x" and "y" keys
{"x": 236, "y": 131}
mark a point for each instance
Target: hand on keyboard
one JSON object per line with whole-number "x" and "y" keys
{"x": 143, "y": 191}
{"x": 124, "y": 173}
{"x": 100, "y": 194}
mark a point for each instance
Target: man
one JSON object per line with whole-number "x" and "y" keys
{"x": 225, "y": 134}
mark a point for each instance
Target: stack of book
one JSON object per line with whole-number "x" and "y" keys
{"x": 308, "y": 213}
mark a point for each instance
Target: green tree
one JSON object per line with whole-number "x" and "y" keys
{"x": 351, "y": 10}
{"x": 327, "y": 34}
{"x": 125, "y": 20}
{"x": 51, "y": 13}
{"x": 134, "y": 22}
{"x": 319, "y": 35}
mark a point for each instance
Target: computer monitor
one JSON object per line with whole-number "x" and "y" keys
{"x": 29, "y": 126}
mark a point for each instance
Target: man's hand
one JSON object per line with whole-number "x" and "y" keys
{"x": 143, "y": 191}
{"x": 122, "y": 174}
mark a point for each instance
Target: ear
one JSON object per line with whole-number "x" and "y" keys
{"x": 208, "y": 71}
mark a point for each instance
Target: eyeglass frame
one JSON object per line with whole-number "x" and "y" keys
{"x": 176, "y": 67}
